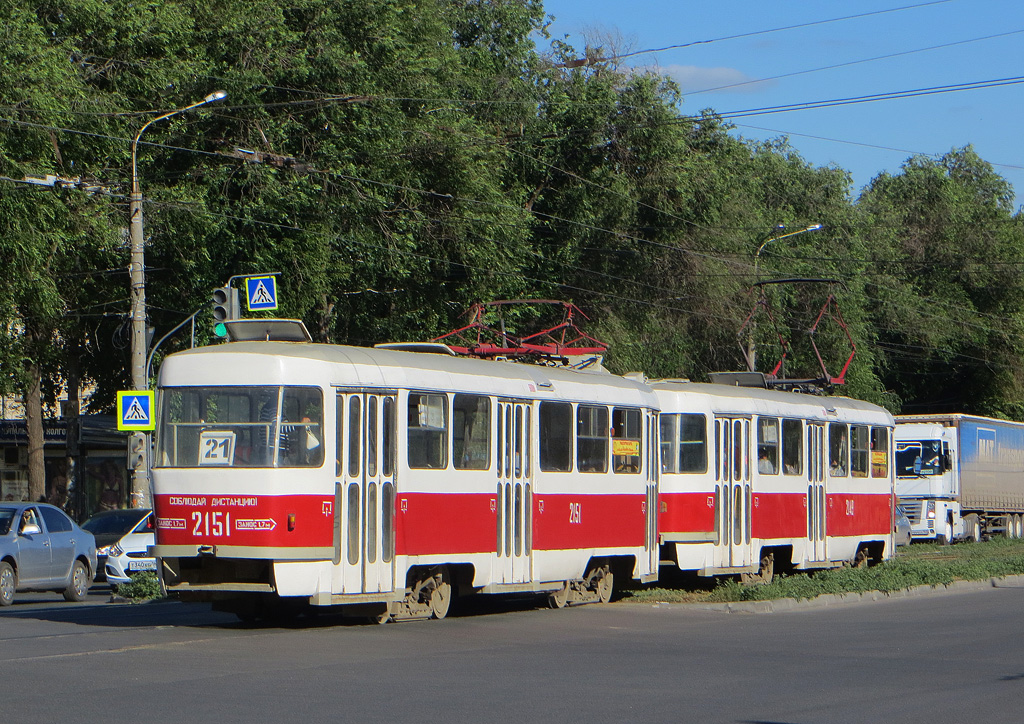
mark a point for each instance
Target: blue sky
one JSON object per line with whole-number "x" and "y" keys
{"x": 793, "y": 65}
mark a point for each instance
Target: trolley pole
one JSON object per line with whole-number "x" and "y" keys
{"x": 751, "y": 344}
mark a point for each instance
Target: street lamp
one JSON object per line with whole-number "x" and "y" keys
{"x": 751, "y": 347}
{"x": 140, "y": 486}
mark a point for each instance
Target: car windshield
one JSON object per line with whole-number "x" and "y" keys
{"x": 116, "y": 522}
{"x": 6, "y": 518}
{"x": 916, "y": 458}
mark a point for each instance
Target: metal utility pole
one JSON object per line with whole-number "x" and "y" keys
{"x": 140, "y": 474}
{"x": 751, "y": 345}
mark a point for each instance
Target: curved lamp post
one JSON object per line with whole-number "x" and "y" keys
{"x": 140, "y": 477}
{"x": 751, "y": 346}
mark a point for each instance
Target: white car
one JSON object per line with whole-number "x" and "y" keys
{"x": 127, "y": 535}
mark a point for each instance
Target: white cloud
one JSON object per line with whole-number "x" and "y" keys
{"x": 694, "y": 79}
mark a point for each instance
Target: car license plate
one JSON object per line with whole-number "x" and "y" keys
{"x": 142, "y": 565}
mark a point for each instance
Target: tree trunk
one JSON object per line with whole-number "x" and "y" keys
{"x": 71, "y": 480}
{"x": 34, "y": 423}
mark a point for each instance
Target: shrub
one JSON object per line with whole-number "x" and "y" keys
{"x": 144, "y": 586}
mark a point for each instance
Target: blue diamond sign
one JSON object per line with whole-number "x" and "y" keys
{"x": 135, "y": 410}
{"x": 261, "y": 293}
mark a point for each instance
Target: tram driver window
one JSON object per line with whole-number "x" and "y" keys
{"x": 428, "y": 431}
{"x": 838, "y": 449}
{"x": 767, "y": 445}
{"x": 471, "y": 433}
{"x": 302, "y": 417}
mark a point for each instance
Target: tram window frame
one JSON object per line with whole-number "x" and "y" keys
{"x": 768, "y": 443}
{"x": 838, "y": 449}
{"x": 627, "y": 435}
{"x": 879, "y": 452}
{"x": 860, "y": 451}
{"x": 592, "y": 436}
{"x": 554, "y": 420}
{"x": 792, "y": 447}
{"x": 471, "y": 416}
{"x": 428, "y": 430}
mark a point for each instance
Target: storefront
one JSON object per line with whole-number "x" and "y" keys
{"x": 101, "y": 458}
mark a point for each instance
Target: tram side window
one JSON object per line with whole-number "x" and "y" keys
{"x": 767, "y": 445}
{"x": 627, "y": 435}
{"x": 669, "y": 427}
{"x": 428, "y": 431}
{"x": 792, "y": 447}
{"x": 879, "y": 452}
{"x": 859, "y": 451}
{"x": 471, "y": 434}
{"x": 555, "y": 422}
{"x": 592, "y": 439}
{"x": 838, "y": 449}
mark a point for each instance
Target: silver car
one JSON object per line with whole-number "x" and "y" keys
{"x": 42, "y": 549}
{"x": 901, "y": 531}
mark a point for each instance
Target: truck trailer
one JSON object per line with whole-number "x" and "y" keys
{"x": 960, "y": 477}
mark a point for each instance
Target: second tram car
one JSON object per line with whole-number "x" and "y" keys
{"x": 754, "y": 479}
{"x": 391, "y": 480}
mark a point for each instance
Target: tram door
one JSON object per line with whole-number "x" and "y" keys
{"x": 365, "y": 499}
{"x": 514, "y": 492}
{"x": 652, "y": 505}
{"x": 816, "y": 535}
{"x": 732, "y": 492}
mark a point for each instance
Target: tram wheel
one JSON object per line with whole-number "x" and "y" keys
{"x": 559, "y": 598}
{"x": 441, "y": 597}
{"x": 605, "y": 586}
{"x": 765, "y": 572}
{"x": 861, "y": 560}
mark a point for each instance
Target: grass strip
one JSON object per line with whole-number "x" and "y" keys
{"x": 916, "y": 565}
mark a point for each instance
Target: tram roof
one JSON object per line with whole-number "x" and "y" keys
{"x": 753, "y": 400}
{"x": 240, "y": 363}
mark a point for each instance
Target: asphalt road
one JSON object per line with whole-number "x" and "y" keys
{"x": 955, "y": 657}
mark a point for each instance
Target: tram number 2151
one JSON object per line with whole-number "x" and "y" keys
{"x": 214, "y": 524}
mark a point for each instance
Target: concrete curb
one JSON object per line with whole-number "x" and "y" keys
{"x": 846, "y": 599}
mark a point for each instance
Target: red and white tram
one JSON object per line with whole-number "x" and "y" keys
{"x": 753, "y": 479}
{"x": 391, "y": 480}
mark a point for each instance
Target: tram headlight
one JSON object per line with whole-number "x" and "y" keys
{"x": 930, "y": 510}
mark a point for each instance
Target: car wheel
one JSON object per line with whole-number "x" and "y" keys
{"x": 8, "y": 582}
{"x": 78, "y": 586}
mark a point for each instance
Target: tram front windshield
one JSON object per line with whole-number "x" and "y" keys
{"x": 248, "y": 427}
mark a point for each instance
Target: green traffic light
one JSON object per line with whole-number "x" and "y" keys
{"x": 220, "y": 329}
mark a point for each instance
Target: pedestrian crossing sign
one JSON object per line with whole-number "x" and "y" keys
{"x": 261, "y": 293}
{"x": 135, "y": 410}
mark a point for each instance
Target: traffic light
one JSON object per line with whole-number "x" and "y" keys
{"x": 225, "y": 308}
{"x": 137, "y": 452}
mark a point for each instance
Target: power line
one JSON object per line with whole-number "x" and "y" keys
{"x": 591, "y": 61}
{"x": 892, "y": 95}
{"x": 853, "y": 62}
